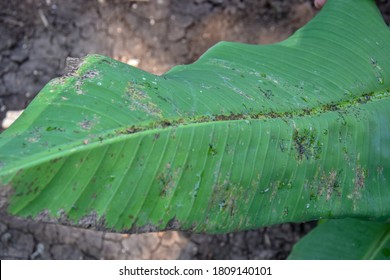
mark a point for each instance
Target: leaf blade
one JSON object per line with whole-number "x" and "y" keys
{"x": 314, "y": 138}
{"x": 345, "y": 239}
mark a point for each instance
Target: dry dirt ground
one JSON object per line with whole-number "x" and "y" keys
{"x": 36, "y": 36}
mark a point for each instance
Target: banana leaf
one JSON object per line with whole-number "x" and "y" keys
{"x": 345, "y": 239}
{"x": 247, "y": 136}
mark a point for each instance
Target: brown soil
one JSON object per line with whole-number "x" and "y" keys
{"x": 36, "y": 36}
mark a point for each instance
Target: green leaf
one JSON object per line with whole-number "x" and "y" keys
{"x": 345, "y": 239}
{"x": 247, "y": 136}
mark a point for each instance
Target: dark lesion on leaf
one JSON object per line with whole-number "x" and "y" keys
{"x": 212, "y": 151}
{"x": 330, "y": 184}
{"x": 6, "y": 191}
{"x": 173, "y": 224}
{"x": 268, "y": 94}
{"x": 326, "y": 184}
{"x": 168, "y": 180}
{"x": 91, "y": 220}
{"x": 72, "y": 65}
{"x": 306, "y": 144}
{"x": 361, "y": 175}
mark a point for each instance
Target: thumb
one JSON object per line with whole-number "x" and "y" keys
{"x": 319, "y": 3}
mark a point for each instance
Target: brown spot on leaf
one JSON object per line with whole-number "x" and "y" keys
{"x": 6, "y": 192}
{"x": 168, "y": 180}
{"x": 72, "y": 65}
{"x": 91, "y": 220}
{"x": 359, "y": 183}
{"x": 325, "y": 184}
{"x": 141, "y": 101}
{"x": 306, "y": 144}
{"x": 360, "y": 177}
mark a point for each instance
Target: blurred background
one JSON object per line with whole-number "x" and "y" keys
{"x": 36, "y": 37}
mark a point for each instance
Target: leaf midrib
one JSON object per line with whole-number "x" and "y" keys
{"x": 123, "y": 133}
{"x": 377, "y": 244}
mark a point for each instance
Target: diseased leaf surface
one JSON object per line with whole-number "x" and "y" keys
{"x": 246, "y": 136}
